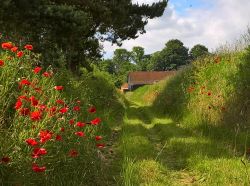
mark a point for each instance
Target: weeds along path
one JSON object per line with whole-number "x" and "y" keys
{"x": 158, "y": 151}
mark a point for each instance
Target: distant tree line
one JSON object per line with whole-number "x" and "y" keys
{"x": 171, "y": 57}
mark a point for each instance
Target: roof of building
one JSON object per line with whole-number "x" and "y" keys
{"x": 138, "y": 78}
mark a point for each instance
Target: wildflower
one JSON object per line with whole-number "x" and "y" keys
{"x": 71, "y": 122}
{"x": 45, "y": 135}
{"x": 46, "y": 74}
{"x": 28, "y": 47}
{"x": 209, "y": 107}
{"x": 5, "y": 159}
{"x": 209, "y": 93}
{"x": 23, "y": 97}
{"x": 33, "y": 101}
{"x": 73, "y": 153}
{"x": 14, "y": 49}
{"x": 92, "y": 110}
{"x": 7, "y": 45}
{"x": 223, "y": 108}
{"x": 81, "y": 134}
{"x": 36, "y": 115}
{"x": 100, "y": 145}
{"x": 24, "y": 111}
{"x": 1, "y": 63}
{"x": 58, "y": 138}
{"x": 64, "y": 110}
{"x": 217, "y": 59}
{"x": 37, "y": 70}
{"x": 31, "y": 142}
{"x": 80, "y": 124}
{"x": 62, "y": 129}
{"x": 42, "y": 107}
{"x": 59, "y": 101}
{"x": 190, "y": 89}
{"x": 19, "y": 54}
{"x": 97, "y": 138}
{"x": 96, "y": 121}
{"x": 18, "y": 104}
{"x": 37, "y": 152}
{"x": 76, "y": 108}
{"x": 58, "y": 87}
{"x": 36, "y": 168}
{"x": 24, "y": 82}
{"x": 52, "y": 110}
{"x": 78, "y": 101}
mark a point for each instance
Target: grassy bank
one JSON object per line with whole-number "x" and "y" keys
{"x": 49, "y": 123}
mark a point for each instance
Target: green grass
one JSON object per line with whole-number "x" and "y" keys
{"x": 171, "y": 137}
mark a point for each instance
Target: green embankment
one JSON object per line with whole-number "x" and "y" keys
{"x": 191, "y": 129}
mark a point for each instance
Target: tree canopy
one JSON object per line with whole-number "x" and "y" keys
{"x": 75, "y": 27}
{"x": 173, "y": 55}
{"x": 198, "y": 51}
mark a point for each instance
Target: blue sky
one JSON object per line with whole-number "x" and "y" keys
{"x": 208, "y": 22}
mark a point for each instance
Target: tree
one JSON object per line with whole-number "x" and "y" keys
{"x": 173, "y": 55}
{"x": 75, "y": 27}
{"x": 139, "y": 58}
{"x": 198, "y": 51}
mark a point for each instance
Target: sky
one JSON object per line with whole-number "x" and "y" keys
{"x": 208, "y": 22}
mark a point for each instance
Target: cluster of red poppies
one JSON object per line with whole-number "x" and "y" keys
{"x": 202, "y": 89}
{"x": 36, "y": 110}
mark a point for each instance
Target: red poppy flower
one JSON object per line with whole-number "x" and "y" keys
{"x": 96, "y": 121}
{"x": 58, "y": 137}
{"x": 97, "y": 138}
{"x": 1, "y": 63}
{"x": 80, "y": 124}
{"x": 23, "y": 97}
{"x": 42, "y": 107}
{"x": 100, "y": 145}
{"x": 28, "y": 47}
{"x": 36, "y": 115}
{"x": 37, "y": 70}
{"x": 76, "y": 108}
{"x": 24, "y": 82}
{"x": 81, "y": 134}
{"x": 209, "y": 93}
{"x": 19, "y": 54}
{"x": 5, "y": 159}
{"x": 64, "y": 110}
{"x": 217, "y": 59}
{"x": 36, "y": 168}
{"x": 58, "y": 87}
{"x": 45, "y": 135}
{"x": 47, "y": 74}
{"x": 59, "y": 101}
{"x": 7, "y": 45}
{"x": 73, "y": 153}
{"x": 52, "y": 110}
{"x": 78, "y": 101}
{"x": 24, "y": 111}
{"x": 209, "y": 107}
{"x": 33, "y": 101}
{"x": 62, "y": 129}
{"x": 71, "y": 122}
{"x": 31, "y": 142}
{"x": 37, "y": 152}
{"x": 92, "y": 110}
{"x": 14, "y": 49}
{"x": 37, "y": 89}
{"x": 18, "y": 104}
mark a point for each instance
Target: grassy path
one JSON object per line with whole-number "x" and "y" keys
{"x": 159, "y": 152}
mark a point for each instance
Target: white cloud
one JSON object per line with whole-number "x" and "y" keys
{"x": 225, "y": 21}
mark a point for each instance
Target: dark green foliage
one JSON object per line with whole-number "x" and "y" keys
{"x": 198, "y": 51}
{"x": 74, "y": 27}
{"x": 173, "y": 55}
